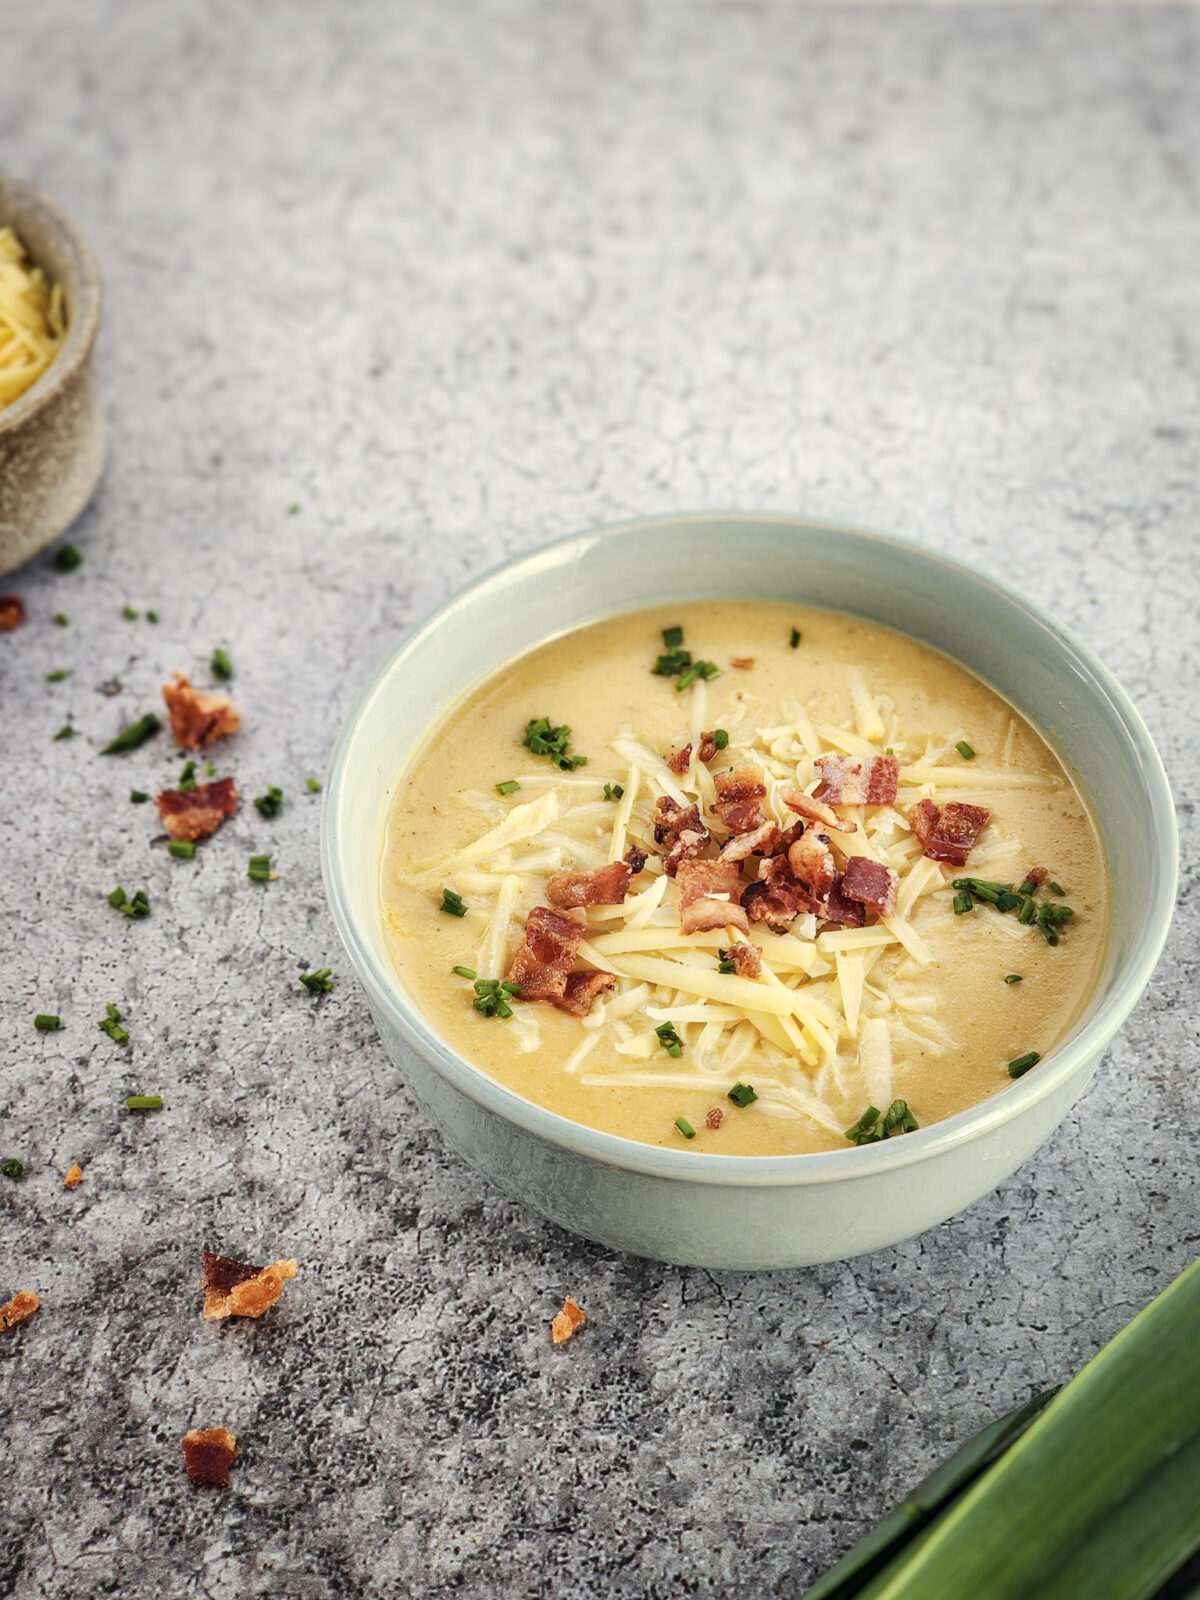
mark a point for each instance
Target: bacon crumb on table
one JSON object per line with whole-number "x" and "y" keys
{"x": 546, "y": 953}
{"x": 197, "y": 718}
{"x": 12, "y": 612}
{"x": 23, "y": 1304}
{"x": 237, "y": 1289}
{"x": 73, "y": 1176}
{"x": 208, "y": 1454}
{"x": 196, "y": 813}
{"x": 948, "y": 833}
{"x": 565, "y": 1323}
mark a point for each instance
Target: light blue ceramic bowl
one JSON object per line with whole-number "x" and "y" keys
{"x": 746, "y": 1211}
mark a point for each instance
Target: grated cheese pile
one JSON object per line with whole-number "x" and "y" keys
{"x": 33, "y": 320}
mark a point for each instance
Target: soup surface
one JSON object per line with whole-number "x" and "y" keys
{"x": 845, "y": 924}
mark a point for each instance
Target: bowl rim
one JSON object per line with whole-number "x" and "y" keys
{"x": 1061, "y": 1065}
{"x": 25, "y": 197}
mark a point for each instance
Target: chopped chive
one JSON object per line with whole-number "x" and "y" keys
{"x": 152, "y": 616}
{"x": 708, "y": 670}
{"x": 465, "y": 972}
{"x": 725, "y": 961}
{"x": 964, "y": 750}
{"x": 259, "y": 870}
{"x": 453, "y": 903}
{"x": 509, "y": 786}
{"x": 511, "y": 988}
{"x": 314, "y": 785}
{"x": 491, "y": 997}
{"x": 613, "y": 791}
{"x": 12, "y": 1168}
{"x": 136, "y": 905}
{"x": 1022, "y": 1064}
{"x": 1056, "y": 888}
{"x": 138, "y": 796}
{"x": 144, "y": 1102}
{"x": 269, "y": 804}
{"x": 672, "y": 663}
{"x": 220, "y": 666}
{"x": 545, "y": 740}
{"x": 111, "y": 1025}
{"x": 294, "y": 509}
{"x": 720, "y": 739}
{"x": 184, "y": 849}
{"x": 116, "y": 898}
{"x": 672, "y": 637}
{"x": 129, "y": 614}
{"x": 65, "y": 732}
{"x": 1027, "y": 887}
{"x": 795, "y": 639}
{"x": 46, "y": 1022}
{"x": 889, "y": 751}
{"x": 669, "y": 1039}
{"x": 133, "y": 735}
{"x": 742, "y": 1094}
{"x": 187, "y": 778}
{"x": 1014, "y": 977}
{"x": 68, "y": 558}
{"x": 1007, "y": 901}
{"x": 318, "y": 982}
{"x": 61, "y": 619}
{"x": 963, "y": 902}
{"x": 210, "y": 770}
{"x": 1028, "y": 911}
{"x": 58, "y": 675}
{"x": 685, "y": 1127}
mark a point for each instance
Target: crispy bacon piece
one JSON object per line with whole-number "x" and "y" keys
{"x": 236, "y": 1289}
{"x": 565, "y": 1323}
{"x": 747, "y": 958}
{"x": 583, "y": 990}
{"x": 872, "y": 883}
{"x": 546, "y": 954}
{"x": 208, "y": 1454}
{"x": 948, "y": 833}
{"x": 778, "y": 897}
{"x": 812, "y": 863}
{"x": 763, "y": 841}
{"x": 635, "y": 860}
{"x": 740, "y": 792}
{"x": 23, "y": 1304}
{"x": 198, "y": 718}
{"x": 607, "y": 886}
{"x": 701, "y": 884}
{"x": 681, "y": 760}
{"x": 197, "y": 813}
{"x": 714, "y": 1119}
{"x": 858, "y": 780}
{"x": 12, "y": 612}
{"x": 742, "y": 663}
{"x": 681, "y": 830}
{"x": 840, "y": 908}
{"x": 1037, "y": 876}
{"x": 806, "y": 805}
{"x": 73, "y": 1176}
{"x": 708, "y": 745}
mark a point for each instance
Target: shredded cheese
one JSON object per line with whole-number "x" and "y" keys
{"x": 33, "y": 320}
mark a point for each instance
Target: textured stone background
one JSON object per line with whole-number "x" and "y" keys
{"x": 458, "y": 278}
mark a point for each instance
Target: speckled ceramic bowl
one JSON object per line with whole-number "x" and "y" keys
{"x": 751, "y": 1211}
{"x": 52, "y": 438}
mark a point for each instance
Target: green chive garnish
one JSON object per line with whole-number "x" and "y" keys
{"x": 720, "y": 739}
{"x": 129, "y": 614}
{"x": 492, "y": 996}
{"x": 1014, "y": 977}
{"x": 61, "y": 619}
{"x": 152, "y": 616}
{"x": 144, "y": 1102}
{"x": 453, "y": 903}
{"x": 187, "y": 778}
{"x": 509, "y": 786}
{"x": 65, "y": 732}
{"x": 613, "y": 791}
{"x": 259, "y": 870}
{"x": 669, "y": 1039}
{"x": 1056, "y": 888}
{"x": 111, "y": 1025}
{"x": 964, "y": 750}
{"x": 465, "y": 972}
{"x": 742, "y": 1094}
{"x": 795, "y": 639}
{"x": 138, "y": 796}
{"x": 209, "y": 770}
{"x": 45, "y": 1022}
{"x": 269, "y": 804}
{"x": 962, "y": 902}
{"x": 672, "y": 638}
{"x": 685, "y": 1127}
{"x": 314, "y": 786}
{"x": 1022, "y": 1064}
{"x": 135, "y": 734}
{"x": 136, "y": 905}
{"x": 68, "y": 558}
{"x": 183, "y": 849}
{"x": 708, "y": 670}
{"x": 220, "y": 666}
{"x": 319, "y": 982}
{"x": 673, "y": 662}
{"x": 294, "y": 509}
{"x": 58, "y": 675}
{"x": 545, "y": 740}
{"x": 12, "y": 1168}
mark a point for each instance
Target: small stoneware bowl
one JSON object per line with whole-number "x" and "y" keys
{"x": 751, "y": 1211}
{"x": 52, "y": 437}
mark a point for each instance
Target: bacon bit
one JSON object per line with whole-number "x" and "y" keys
{"x": 742, "y": 663}
{"x": 565, "y": 1323}
{"x": 739, "y": 793}
{"x": 840, "y": 908}
{"x": 714, "y": 1119}
{"x": 872, "y": 883}
{"x": 635, "y": 860}
{"x": 948, "y": 833}
{"x": 12, "y": 612}
{"x": 747, "y": 958}
{"x": 236, "y": 1289}
{"x": 73, "y": 1176}
{"x": 700, "y": 885}
{"x": 763, "y": 841}
{"x": 546, "y": 954}
{"x": 197, "y": 813}
{"x": 858, "y": 780}
{"x": 811, "y": 861}
{"x": 1037, "y": 876}
{"x": 806, "y": 805}
{"x": 777, "y": 898}
{"x": 208, "y": 1454}
{"x": 198, "y": 718}
{"x": 23, "y": 1304}
{"x": 681, "y": 760}
{"x": 583, "y": 990}
{"x": 708, "y": 745}
{"x": 607, "y": 886}
{"x": 680, "y": 830}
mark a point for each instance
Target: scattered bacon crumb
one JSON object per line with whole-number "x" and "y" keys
{"x": 778, "y": 897}
{"x": 742, "y": 663}
{"x": 763, "y": 841}
{"x": 807, "y": 805}
{"x": 635, "y": 859}
{"x": 811, "y": 861}
{"x": 681, "y": 760}
{"x": 714, "y": 1119}
{"x": 701, "y": 887}
{"x": 607, "y": 886}
{"x": 858, "y": 780}
{"x": 198, "y": 718}
{"x": 236, "y": 1289}
{"x": 681, "y": 830}
{"x": 546, "y": 953}
{"x": 565, "y": 1323}
{"x": 12, "y": 612}
{"x": 1036, "y": 876}
{"x": 582, "y": 991}
{"x": 208, "y": 1454}
{"x": 73, "y": 1176}
{"x": 708, "y": 745}
{"x": 23, "y": 1304}
{"x": 839, "y": 907}
{"x": 197, "y": 813}
{"x": 747, "y": 958}
{"x": 871, "y": 883}
{"x": 739, "y": 792}
{"x": 948, "y": 833}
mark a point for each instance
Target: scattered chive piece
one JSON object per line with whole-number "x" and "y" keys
{"x": 268, "y": 805}
{"x": 1027, "y": 887}
{"x": 152, "y": 616}
{"x": 13, "y": 1169}
{"x": 136, "y": 905}
{"x": 68, "y": 558}
{"x": 613, "y": 791}
{"x": 1008, "y": 901}
{"x": 871, "y": 1127}
{"x": 1019, "y": 1067}
{"x": 144, "y": 1102}
{"x": 65, "y": 732}
{"x": 509, "y": 786}
{"x": 116, "y": 898}
{"x": 210, "y": 770}
{"x": 111, "y": 1025}
{"x": 1028, "y": 911}
{"x": 669, "y": 1039}
{"x": 319, "y": 982}
{"x": 685, "y": 1127}
{"x": 187, "y": 778}
{"x": 58, "y": 675}
{"x": 742, "y": 1094}
{"x": 294, "y": 508}
{"x": 314, "y": 786}
{"x": 465, "y": 972}
{"x": 795, "y": 639}
{"x": 708, "y": 670}
{"x": 963, "y": 902}
{"x": 129, "y": 614}
{"x": 184, "y": 849}
{"x": 720, "y": 739}
{"x": 1056, "y": 888}
{"x": 1014, "y": 977}
{"x": 672, "y": 637}
{"x": 259, "y": 870}
{"x": 545, "y": 740}
{"x": 889, "y": 751}
{"x": 725, "y": 961}
{"x": 61, "y": 619}
{"x": 135, "y": 734}
{"x": 220, "y": 666}
{"x": 44, "y": 1022}
{"x": 964, "y": 750}
{"x": 453, "y": 903}
{"x": 138, "y": 796}
{"x": 492, "y": 996}
{"x": 673, "y": 662}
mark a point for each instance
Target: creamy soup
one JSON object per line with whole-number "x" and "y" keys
{"x": 889, "y": 897}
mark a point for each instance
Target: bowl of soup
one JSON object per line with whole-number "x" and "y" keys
{"x": 744, "y": 890}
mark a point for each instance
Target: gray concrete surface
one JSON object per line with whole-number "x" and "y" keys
{"x": 455, "y": 279}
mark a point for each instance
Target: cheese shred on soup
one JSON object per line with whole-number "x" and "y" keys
{"x": 743, "y": 878}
